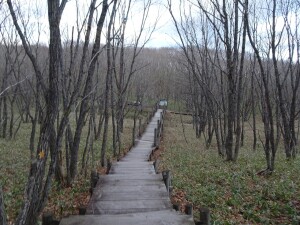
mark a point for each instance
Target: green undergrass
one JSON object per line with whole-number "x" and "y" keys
{"x": 233, "y": 192}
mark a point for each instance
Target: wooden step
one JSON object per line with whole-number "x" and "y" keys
{"x": 164, "y": 217}
{"x": 132, "y": 193}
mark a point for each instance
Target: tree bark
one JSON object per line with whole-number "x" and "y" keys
{"x": 87, "y": 89}
{"x": 2, "y": 209}
{"x": 107, "y": 84}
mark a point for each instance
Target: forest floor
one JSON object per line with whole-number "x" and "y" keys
{"x": 62, "y": 201}
{"x": 233, "y": 192}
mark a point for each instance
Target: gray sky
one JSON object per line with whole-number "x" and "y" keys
{"x": 163, "y": 36}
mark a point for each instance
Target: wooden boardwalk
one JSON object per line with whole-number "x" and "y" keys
{"x": 132, "y": 193}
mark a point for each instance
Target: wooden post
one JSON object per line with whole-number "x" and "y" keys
{"x": 204, "y": 216}
{"x": 156, "y": 165}
{"x": 133, "y": 136}
{"x": 148, "y": 115}
{"x": 140, "y": 127}
{"x": 158, "y": 133}
{"x": 188, "y": 209}
{"x": 158, "y": 128}
{"x": 108, "y": 165}
{"x": 176, "y": 207}
{"x": 167, "y": 179}
{"x": 94, "y": 180}
{"x": 82, "y": 210}
{"x": 47, "y": 218}
{"x": 155, "y": 137}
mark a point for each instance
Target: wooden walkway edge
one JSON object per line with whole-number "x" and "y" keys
{"x": 132, "y": 193}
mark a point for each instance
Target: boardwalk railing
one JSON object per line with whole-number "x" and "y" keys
{"x": 158, "y": 131}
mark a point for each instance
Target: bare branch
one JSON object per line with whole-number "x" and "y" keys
{"x": 11, "y": 86}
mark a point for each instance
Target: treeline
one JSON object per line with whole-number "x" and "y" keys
{"x": 241, "y": 59}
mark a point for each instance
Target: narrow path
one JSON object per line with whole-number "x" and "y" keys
{"x": 132, "y": 193}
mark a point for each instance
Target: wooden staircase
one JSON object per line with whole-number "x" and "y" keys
{"x": 132, "y": 193}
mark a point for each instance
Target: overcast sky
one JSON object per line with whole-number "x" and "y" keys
{"x": 163, "y": 36}
{"x": 35, "y": 16}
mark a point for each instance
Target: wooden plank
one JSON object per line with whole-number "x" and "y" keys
{"x": 154, "y": 186}
{"x": 165, "y": 217}
{"x": 128, "y": 206}
{"x": 132, "y": 193}
{"x": 127, "y": 195}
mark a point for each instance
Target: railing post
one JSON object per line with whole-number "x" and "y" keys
{"x": 148, "y": 116}
{"x": 188, "y": 209}
{"x": 155, "y": 137}
{"x": 140, "y": 127}
{"x": 47, "y": 218}
{"x": 133, "y": 136}
{"x": 167, "y": 179}
{"x": 204, "y": 216}
{"x": 108, "y": 165}
{"x": 94, "y": 180}
{"x": 82, "y": 210}
{"x": 158, "y": 126}
{"x": 156, "y": 165}
{"x": 176, "y": 207}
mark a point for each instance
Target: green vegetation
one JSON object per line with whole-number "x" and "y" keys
{"x": 14, "y": 166}
{"x": 233, "y": 192}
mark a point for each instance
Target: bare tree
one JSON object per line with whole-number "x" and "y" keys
{"x": 129, "y": 69}
{"x": 267, "y": 109}
{"x": 38, "y": 186}
{"x": 223, "y": 24}
{"x": 88, "y": 88}
{"x": 287, "y": 76}
{"x": 108, "y": 82}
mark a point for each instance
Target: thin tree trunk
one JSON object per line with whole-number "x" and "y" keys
{"x": 4, "y": 117}
{"x": 2, "y": 209}
{"x": 239, "y": 112}
{"x": 38, "y": 186}
{"x": 107, "y": 85}
{"x": 86, "y": 93}
{"x": 253, "y": 114}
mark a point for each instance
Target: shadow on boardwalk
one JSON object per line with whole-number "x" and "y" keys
{"x": 132, "y": 193}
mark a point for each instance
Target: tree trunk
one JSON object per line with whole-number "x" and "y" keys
{"x": 87, "y": 89}
{"x": 253, "y": 113}
{"x": 38, "y": 186}
{"x": 2, "y": 209}
{"x": 4, "y": 117}
{"x": 107, "y": 85}
{"x": 239, "y": 112}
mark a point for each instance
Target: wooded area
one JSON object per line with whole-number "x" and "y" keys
{"x": 236, "y": 64}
